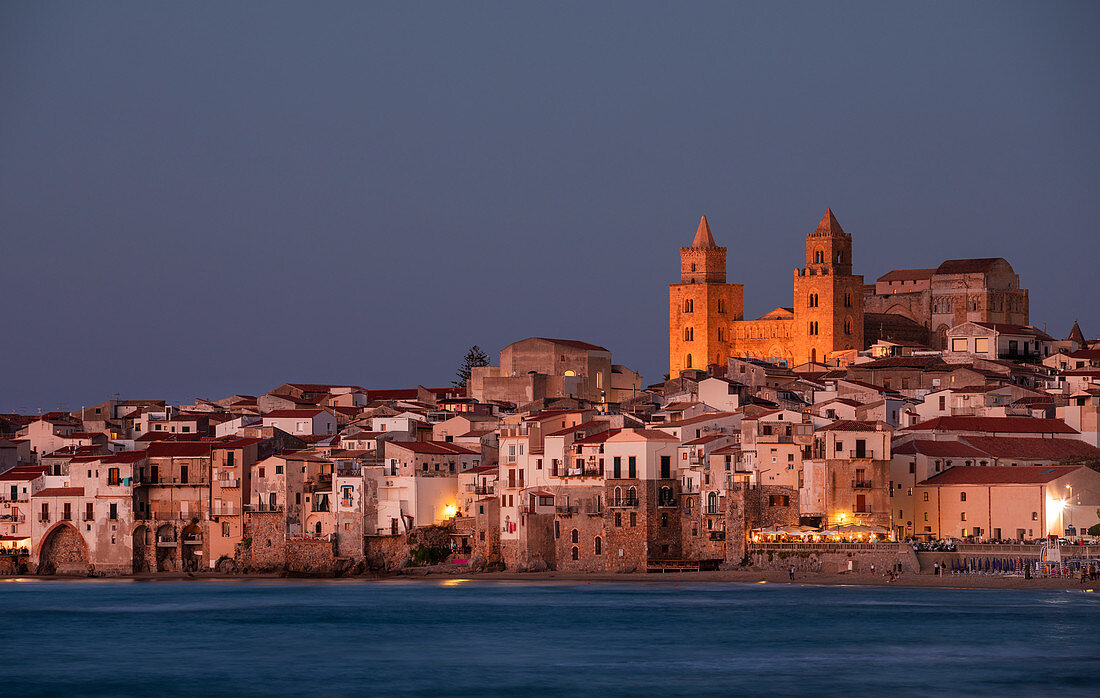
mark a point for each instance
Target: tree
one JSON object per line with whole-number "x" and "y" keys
{"x": 474, "y": 357}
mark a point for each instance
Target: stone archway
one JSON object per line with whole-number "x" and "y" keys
{"x": 63, "y": 551}
{"x": 142, "y": 542}
{"x": 192, "y": 548}
{"x": 168, "y": 559}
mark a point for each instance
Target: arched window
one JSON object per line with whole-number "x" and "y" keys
{"x": 719, "y": 334}
{"x": 712, "y": 503}
{"x": 618, "y": 495}
{"x": 819, "y": 257}
{"x": 848, "y": 300}
{"x": 689, "y": 360}
{"x": 721, "y": 306}
{"x": 839, "y": 256}
{"x": 598, "y": 546}
{"x": 848, "y": 326}
{"x": 689, "y": 305}
{"x": 813, "y": 355}
{"x": 962, "y": 496}
{"x": 574, "y": 537}
{"x": 575, "y": 553}
{"x": 632, "y": 495}
{"x": 689, "y": 334}
{"x": 693, "y": 266}
{"x": 317, "y": 528}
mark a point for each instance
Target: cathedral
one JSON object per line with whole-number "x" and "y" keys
{"x": 706, "y": 321}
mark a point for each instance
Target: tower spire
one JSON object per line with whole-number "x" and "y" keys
{"x": 829, "y": 225}
{"x": 703, "y": 238}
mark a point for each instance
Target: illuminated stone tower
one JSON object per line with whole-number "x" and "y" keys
{"x": 828, "y": 299}
{"x": 702, "y": 307}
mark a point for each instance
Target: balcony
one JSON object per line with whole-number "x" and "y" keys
{"x": 861, "y": 455}
{"x": 865, "y": 509}
{"x": 667, "y": 502}
{"x": 43, "y": 518}
{"x": 586, "y": 471}
{"x": 166, "y": 542}
{"x": 12, "y": 518}
{"x": 232, "y": 482}
{"x": 624, "y": 503}
{"x": 714, "y": 511}
{"x": 862, "y": 485}
{"x": 717, "y": 535}
{"x": 192, "y": 540}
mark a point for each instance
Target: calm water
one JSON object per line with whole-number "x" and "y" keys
{"x": 475, "y": 638}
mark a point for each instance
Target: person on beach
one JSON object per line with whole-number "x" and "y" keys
{"x": 792, "y": 572}
{"x": 936, "y": 569}
{"x": 872, "y": 569}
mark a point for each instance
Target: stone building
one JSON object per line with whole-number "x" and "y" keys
{"x": 706, "y": 316}
{"x": 957, "y": 291}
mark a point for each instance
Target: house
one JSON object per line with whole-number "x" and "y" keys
{"x": 998, "y": 341}
{"x": 308, "y": 421}
{"x": 997, "y": 503}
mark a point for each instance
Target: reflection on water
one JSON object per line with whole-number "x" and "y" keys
{"x": 467, "y": 637}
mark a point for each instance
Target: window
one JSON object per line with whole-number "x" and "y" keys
{"x": 943, "y": 402}
{"x": 183, "y": 474}
{"x": 926, "y": 496}
{"x": 981, "y": 345}
{"x": 958, "y": 344}
{"x": 689, "y": 305}
{"x": 689, "y": 334}
{"x": 666, "y": 467}
{"x": 848, "y": 299}
{"x": 962, "y": 496}
{"x": 632, "y": 467}
{"x": 88, "y": 515}
{"x": 618, "y": 519}
{"x": 68, "y": 512}
{"x": 575, "y": 553}
{"x": 557, "y": 529}
{"x": 633, "y": 519}
{"x": 278, "y": 470}
{"x": 664, "y": 520}
{"x": 926, "y": 516}
{"x": 112, "y": 477}
{"x": 617, "y": 467}
{"x": 113, "y": 512}
{"x": 1034, "y": 516}
{"x": 598, "y": 546}
{"x": 779, "y": 500}
{"x": 574, "y": 537}
{"x": 225, "y": 529}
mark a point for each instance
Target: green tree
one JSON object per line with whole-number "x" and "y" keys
{"x": 474, "y": 357}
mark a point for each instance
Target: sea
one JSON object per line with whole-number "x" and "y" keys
{"x": 458, "y": 637}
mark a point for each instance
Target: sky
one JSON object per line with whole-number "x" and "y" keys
{"x": 207, "y": 198}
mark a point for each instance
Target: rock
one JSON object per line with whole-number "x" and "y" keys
{"x": 538, "y": 566}
{"x": 477, "y": 563}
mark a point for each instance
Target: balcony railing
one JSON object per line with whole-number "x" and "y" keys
{"x": 862, "y": 485}
{"x": 166, "y": 542}
{"x": 866, "y": 509}
{"x": 624, "y": 503}
{"x": 13, "y": 518}
{"x": 192, "y": 540}
{"x": 232, "y": 482}
{"x": 44, "y": 518}
{"x": 667, "y": 502}
{"x": 862, "y": 455}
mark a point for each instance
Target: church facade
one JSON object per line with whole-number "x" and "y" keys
{"x": 706, "y": 314}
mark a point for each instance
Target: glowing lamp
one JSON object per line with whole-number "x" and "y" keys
{"x": 449, "y": 511}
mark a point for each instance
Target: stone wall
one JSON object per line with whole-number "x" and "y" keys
{"x": 268, "y": 533}
{"x": 310, "y": 556}
{"x": 588, "y": 528}
{"x": 833, "y": 558}
{"x": 386, "y": 552}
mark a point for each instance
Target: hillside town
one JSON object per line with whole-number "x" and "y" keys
{"x": 920, "y": 423}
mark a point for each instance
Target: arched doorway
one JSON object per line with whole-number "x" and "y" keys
{"x": 63, "y": 551}
{"x": 141, "y": 544}
{"x": 192, "y": 547}
{"x": 168, "y": 556}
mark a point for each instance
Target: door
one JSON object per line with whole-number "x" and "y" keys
{"x": 861, "y": 504}
{"x": 861, "y": 448}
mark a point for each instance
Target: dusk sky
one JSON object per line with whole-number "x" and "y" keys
{"x": 200, "y": 199}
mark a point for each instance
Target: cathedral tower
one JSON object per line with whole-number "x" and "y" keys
{"x": 702, "y": 306}
{"x": 828, "y": 299}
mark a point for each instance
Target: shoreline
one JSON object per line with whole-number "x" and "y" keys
{"x": 916, "y": 581}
